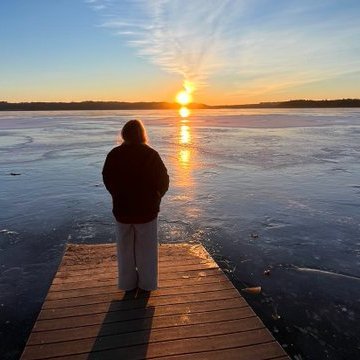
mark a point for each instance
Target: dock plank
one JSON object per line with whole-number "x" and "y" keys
{"x": 179, "y": 297}
{"x": 111, "y": 276}
{"x": 146, "y": 336}
{"x": 167, "y": 308}
{"x": 195, "y": 314}
{"x": 66, "y": 290}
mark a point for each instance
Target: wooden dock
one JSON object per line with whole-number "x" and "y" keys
{"x": 195, "y": 314}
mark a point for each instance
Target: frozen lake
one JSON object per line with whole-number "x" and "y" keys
{"x": 274, "y": 190}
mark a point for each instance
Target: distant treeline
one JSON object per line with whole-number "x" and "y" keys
{"x": 296, "y": 104}
{"x": 85, "y": 105}
{"x": 120, "y": 105}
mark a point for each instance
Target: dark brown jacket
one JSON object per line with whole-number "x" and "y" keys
{"x": 137, "y": 179}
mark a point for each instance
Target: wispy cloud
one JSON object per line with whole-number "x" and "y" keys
{"x": 96, "y": 4}
{"x": 181, "y": 37}
{"x": 264, "y": 46}
{"x": 288, "y": 56}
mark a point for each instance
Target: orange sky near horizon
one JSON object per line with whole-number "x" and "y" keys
{"x": 165, "y": 90}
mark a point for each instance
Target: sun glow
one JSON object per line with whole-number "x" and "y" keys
{"x": 189, "y": 87}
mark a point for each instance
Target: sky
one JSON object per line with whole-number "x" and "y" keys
{"x": 233, "y": 51}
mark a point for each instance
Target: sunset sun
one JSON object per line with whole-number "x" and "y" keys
{"x": 183, "y": 97}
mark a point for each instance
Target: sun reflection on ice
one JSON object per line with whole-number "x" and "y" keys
{"x": 185, "y": 136}
{"x": 184, "y": 157}
{"x": 184, "y": 141}
{"x": 184, "y": 112}
{"x": 186, "y": 162}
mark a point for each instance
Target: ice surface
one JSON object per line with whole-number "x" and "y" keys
{"x": 291, "y": 177}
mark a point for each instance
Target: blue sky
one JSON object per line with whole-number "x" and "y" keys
{"x": 235, "y": 51}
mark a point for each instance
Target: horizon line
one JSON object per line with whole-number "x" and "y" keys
{"x": 193, "y": 104}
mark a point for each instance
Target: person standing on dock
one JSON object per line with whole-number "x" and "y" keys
{"x": 137, "y": 179}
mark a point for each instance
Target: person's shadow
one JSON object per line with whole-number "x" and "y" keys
{"x": 125, "y": 331}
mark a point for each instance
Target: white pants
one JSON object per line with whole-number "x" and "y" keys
{"x": 137, "y": 254}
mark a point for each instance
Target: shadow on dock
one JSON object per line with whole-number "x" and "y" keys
{"x": 126, "y": 328}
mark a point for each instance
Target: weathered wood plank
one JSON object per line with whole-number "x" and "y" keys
{"x": 182, "y": 346}
{"x": 169, "y": 261}
{"x": 113, "y": 276}
{"x": 183, "y": 298}
{"x": 174, "y": 269}
{"x": 163, "y": 283}
{"x": 148, "y": 319}
{"x": 159, "y": 309}
{"x": 266, "y": 351}
{"x": 143, "y": 337}
{"x": 177, "y": 309}
{"x": 195, "y": 314}
{"x": 194, "y": 287}
{"x": 80, "y": 255}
